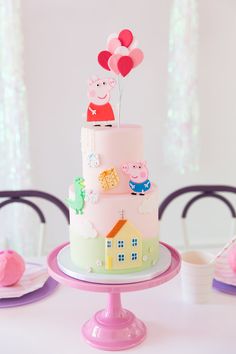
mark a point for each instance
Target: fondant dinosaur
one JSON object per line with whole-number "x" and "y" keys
{"x": 78, "y": 203}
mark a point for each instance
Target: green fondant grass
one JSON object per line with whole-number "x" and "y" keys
{"x": 90, "y": 253}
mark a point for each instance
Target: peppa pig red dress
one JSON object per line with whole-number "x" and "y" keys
{"x": 98, "y": 113}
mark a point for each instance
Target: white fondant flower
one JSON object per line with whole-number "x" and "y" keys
{"x": 93, "y": 159}
{"x": 149, "y": 204}
{"x": 145, "y": 258}
{"x": 99, "y": 263}
{"x": 86, "y": 229}
{"x": 91, "y": 196}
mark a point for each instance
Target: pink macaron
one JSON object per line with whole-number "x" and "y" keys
{"x": 232, "y": 258}
{"x": 12, "y": 267}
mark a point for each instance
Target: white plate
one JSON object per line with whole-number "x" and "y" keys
{"x": 34, "y": 277}
{"x": 66, "y": 266}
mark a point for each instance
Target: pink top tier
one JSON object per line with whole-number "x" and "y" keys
{"x": 114, "y": 147}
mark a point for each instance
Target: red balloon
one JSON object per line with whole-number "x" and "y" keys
{"x": 125, "y": 65}
{"x": 126, "y": 37}
{"x": 103, "y": 59}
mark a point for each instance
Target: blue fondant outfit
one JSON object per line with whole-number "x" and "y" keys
{"x": 140, "y": 187}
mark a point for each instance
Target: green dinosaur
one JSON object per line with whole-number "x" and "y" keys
{"x": 78, "y": 203}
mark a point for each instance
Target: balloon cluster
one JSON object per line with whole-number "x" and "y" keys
{"x": 121, "y": 55}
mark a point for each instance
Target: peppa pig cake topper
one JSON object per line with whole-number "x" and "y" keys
{"x": 120, "y": 57}
{"x": 138, "y": 174}
{"x": 99, "y": 110}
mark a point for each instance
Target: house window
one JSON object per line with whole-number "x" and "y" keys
{"x": 134, "y": 256}
{"x": 120, "y": 243}
{"x": 109, "y": 243}
{"x": 121, "y": 257}
{"x": 134, "y": 242}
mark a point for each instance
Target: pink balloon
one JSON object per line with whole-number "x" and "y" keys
{"x": 112, "y": 35}
{"x": 113, "y": 44}
{"x": 122, "y": 50}
{"x": 126, "y": 37}
{"x": 103, "y": 57}
{"x": 137, "y": 56}
{"x": 125, "y": 65}
{"x": 133, "y": 45}
{"x": 112, "y": 63}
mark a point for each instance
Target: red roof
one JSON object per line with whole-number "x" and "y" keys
{"x": 116, "y": 228}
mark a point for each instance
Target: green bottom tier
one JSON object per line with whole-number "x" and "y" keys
{"x": 93, "y": 254}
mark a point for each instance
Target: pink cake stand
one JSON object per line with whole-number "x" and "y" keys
{"x": 113, "y": 328}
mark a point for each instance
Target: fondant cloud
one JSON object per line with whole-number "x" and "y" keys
{"x": 86, "y": 229}
{"x": 149, "y": 204}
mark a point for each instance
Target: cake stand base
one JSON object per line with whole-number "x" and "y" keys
{"x": 112, "y": 338}
{"x": 114, "y": 328}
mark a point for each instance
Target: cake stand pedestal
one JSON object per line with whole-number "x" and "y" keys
{"x": 113, "y": 328}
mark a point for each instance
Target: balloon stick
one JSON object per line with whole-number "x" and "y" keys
{"x": 120, "y": 96}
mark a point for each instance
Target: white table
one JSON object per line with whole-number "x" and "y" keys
{"x": 52, "y": 326}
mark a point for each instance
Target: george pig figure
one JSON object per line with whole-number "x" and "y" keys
{"x": 138, "y": 173}
{"x": 99, "y": 109}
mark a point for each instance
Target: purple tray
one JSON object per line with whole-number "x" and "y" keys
{"x": 29, "y": 298}
{"x": 225, "y": 288}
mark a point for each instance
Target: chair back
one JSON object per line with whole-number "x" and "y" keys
{"x": 22, "y": 197}
{"x": 202, "y": 192}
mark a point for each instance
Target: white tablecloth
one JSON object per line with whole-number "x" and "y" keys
{"x": 52, "y": 326}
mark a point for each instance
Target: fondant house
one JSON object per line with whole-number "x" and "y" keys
{"x": 123, "y": 247}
